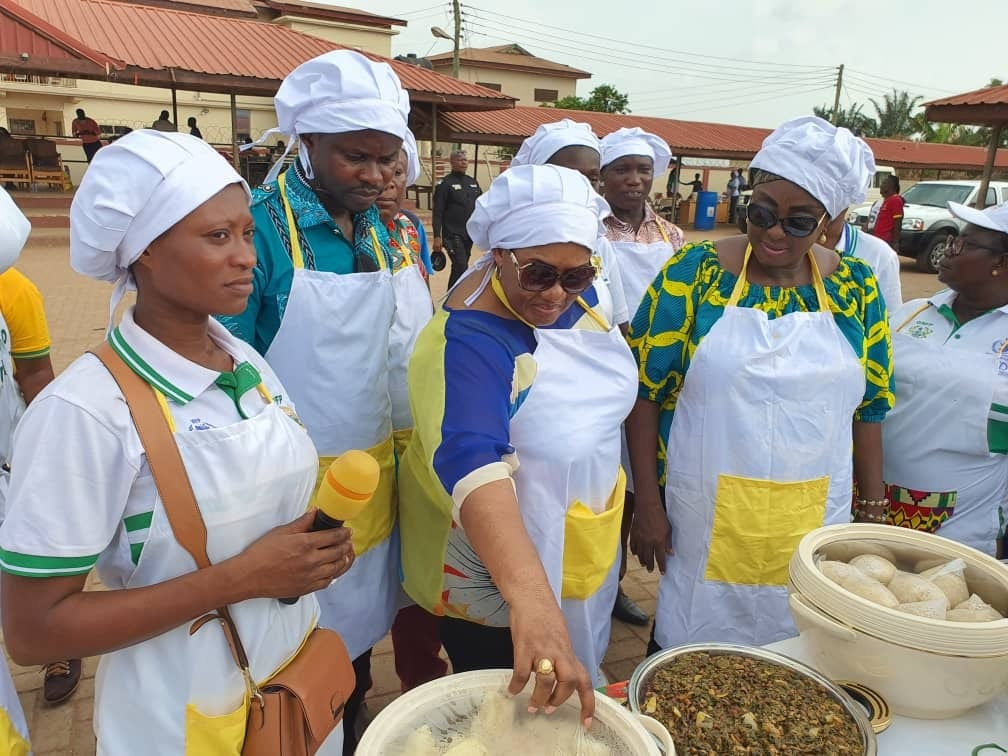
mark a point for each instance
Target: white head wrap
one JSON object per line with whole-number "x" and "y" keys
{"x": 533, "y": 205}
{"x": 334, "y": 93}
{"x": 636, "y": 141}
{"x": 133, "y": 191}
{"x": 14, "y": 231}
{"x": 409, "y": 146}
{"x": 549, "y": 138}
{"x": 830, "y": 163}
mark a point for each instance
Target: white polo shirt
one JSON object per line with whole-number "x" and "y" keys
{"x": 81, "y": 492}
{"x": 880, "y": 256}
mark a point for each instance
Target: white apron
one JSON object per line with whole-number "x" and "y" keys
{"x": 759, "y": 455}
{"x": 332, "y": 354}
{"x": 183, "y": 694}
{"x": 639, "y": 265}
{"x": 569, "y": 483}
{"x": 937, "y": 463}
{"x": 413, "y": 310}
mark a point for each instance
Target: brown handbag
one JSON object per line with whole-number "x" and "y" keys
{"x": 294, "y": 711}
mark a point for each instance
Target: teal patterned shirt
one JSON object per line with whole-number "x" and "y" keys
{"x": 690, "y": 295}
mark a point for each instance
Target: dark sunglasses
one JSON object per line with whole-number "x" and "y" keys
{"x": 540, "y": 276}
{"x": 799, "y": 226}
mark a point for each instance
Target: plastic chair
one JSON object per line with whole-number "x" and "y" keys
{"x": 46, "y": 163}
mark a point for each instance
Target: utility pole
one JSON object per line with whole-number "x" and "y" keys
{"x": 836, "y": 97}
{"x": 457, "y": 13}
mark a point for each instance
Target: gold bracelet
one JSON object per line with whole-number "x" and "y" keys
{"x": 859, "y": 503}
{"x": 881, "y": 515}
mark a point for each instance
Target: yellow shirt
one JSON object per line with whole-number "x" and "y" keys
{"x": 21, "y": 307}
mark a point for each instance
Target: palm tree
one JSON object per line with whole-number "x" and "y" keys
{"x": 852, "y": 118}
{"x": 895, "y": 114}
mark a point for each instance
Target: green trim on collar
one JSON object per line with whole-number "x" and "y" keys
{"x": 139, "y": 366}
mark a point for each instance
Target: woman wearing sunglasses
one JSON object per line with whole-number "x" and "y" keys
{"x": 511, "y": 490}
{"x": 763, "y": 360}
{"x": 946, "y": 440}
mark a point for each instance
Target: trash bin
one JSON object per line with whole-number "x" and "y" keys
{"x": 706, "y": 207}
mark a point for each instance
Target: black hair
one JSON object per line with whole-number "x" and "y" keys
{"x": 80, "y": 113}
{"x": 163, "y": 116}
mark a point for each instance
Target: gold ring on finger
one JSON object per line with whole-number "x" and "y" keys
{"x": 544, "y": 667}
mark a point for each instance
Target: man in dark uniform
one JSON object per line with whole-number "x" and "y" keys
{"x": 454, "y": 201}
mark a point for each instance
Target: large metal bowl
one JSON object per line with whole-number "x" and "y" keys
{"x": 641, "y": 680}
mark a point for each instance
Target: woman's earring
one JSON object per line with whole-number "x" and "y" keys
{"x": 822, "y": 238}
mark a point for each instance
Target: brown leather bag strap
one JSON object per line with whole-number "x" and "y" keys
{"x": 170, "y": 477}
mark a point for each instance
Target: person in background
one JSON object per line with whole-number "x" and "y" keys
{"x": 946, "y": 440}
{"x": 164, "y": 213}
{"x": 511, "y": 485}
{"x": 850, "y": 241}
{"x": 886, "y": 221}
{"x": 88, "y": 131}
{"x": 416, "y": 638}
{"x": 324, "y": 306}
{"x": 163, "y": 123}
{"x": 734, "y": 192}
{"x": 193, "y": 128}
{"x": 454, "y": 200}
{"x": 14, "y": 232}
{"x": 696, "y": 185}
{"x": 764, "y": 361}
{"x": 574, "y": 145}
{"x": 672, "y": 184}
{"x": 643, "y": 241}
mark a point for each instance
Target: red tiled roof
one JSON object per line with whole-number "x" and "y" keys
{"x": 339, "y": 12}
{"x": 983, "y": 96}
{"x": 693, "y": 138}
{"x": 243, "y": 7}
{"x": 42, "y": 41}
{"x": 499, "y": 57}
{"x": 220, "y": 53}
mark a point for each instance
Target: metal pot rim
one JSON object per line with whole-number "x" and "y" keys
{"x": 646, "y": 669}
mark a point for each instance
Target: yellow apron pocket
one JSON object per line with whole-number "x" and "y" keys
{"x": 757, "y": 527}
{"x": 12, "y": 743}
{"x": 401, "y": 438}
{"x": 591, "y": 544}
{"x": 372, "y": 526}
{"x": 221, "y": 735}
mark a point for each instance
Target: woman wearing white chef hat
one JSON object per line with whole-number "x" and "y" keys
{"x": 631, "y": 158}
{"x": 163, "y": 213}
{"x": 763, "y": 361}
{"x": 946, "y": 439}
{"x": 511, "y": 488}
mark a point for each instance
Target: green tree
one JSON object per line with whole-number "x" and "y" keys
{"x": 605, "y": 98}
{"x": 851, "y": 118}
{"x": 895, "y": 115}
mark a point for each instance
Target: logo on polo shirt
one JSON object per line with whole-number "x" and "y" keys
{"x": 921, "y": 329}
{"x": 196, "y": 424}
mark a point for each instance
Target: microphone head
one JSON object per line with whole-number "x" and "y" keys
{"x": 348, "y": 485}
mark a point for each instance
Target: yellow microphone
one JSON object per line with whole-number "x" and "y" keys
{"x": 346, "y": 489}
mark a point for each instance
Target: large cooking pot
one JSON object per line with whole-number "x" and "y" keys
{"x": 641, "y": 680}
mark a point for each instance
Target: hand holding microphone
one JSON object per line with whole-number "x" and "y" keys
{"x": 346, "y": 489}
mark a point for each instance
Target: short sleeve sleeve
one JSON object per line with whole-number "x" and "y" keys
{"x": 67, "y": 498}
{"x": 879, "y": 395}
{"x": 480, "y": 395}
{"x": 661, "y": 329}
{"x": 21, "y": 303}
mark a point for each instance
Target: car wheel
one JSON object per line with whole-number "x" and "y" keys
{"x": 932, "y": 253}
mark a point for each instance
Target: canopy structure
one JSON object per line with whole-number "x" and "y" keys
{"x": 981, "y": 107}
{"x": 175, "y": 49}
{"x": 692, "y": 138}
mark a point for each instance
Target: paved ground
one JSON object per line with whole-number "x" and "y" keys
{"x": 78, "y": 311}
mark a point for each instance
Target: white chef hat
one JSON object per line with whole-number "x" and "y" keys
{"x": 14, "y": 231}
{"x": 334, "y": 93}
{"x": 409, "y": 146}
{"x": 133, "y": 191}
{"x": 533, "y": 205}
{"x": 636, "y": 141}
{"x": 549, "y": 138}
{"x": 993, "y": 218}
{"x": 828, "y": 162}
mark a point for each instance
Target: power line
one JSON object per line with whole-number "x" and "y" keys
{"x": 708, "y": 103}
{"x": 561, "y": 48}
{"x": 415, "y": 11}
{"x": 898, "y": 81}
{"x": 753, "y": 101}
{"x": 691, "y": 56}
{"x": 673, "y": 94}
